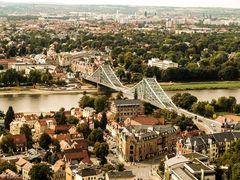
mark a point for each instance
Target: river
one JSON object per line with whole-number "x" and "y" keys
{"x": 47, "y": 102}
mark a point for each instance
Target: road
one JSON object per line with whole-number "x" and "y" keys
{"x": 210, "y": 126}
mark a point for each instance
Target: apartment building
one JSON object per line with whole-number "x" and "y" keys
{"x": 136, "y": 143}
{"x": 126, "y": 108}
{"x": 212, "y": 145}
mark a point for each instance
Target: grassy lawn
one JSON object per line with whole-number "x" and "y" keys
{"x": 201, "y": 85}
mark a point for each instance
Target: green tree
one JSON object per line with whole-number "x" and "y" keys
{"x": 7, "y": 145}
{"x": 9, "y": 117}
{"x": 84, "y": 129}
{"x": 236, "y": 171}
{"x": 120, "y": 167}
{"x": 101, "y": 150}
{"x": 72, "y": 120}
{"x": 95, "y": 135}
{"x": 5, "y": 165}
{"x": 103, "y": 122}
{"x": 120, "y": 73}
{"x": 107, "y": 167}
{"x": 100, "y": 103}
{"x": 209, "y": 111}
{"x": 229, "y": 73}
{"x": 35, "y": 76}
{"x": 60, "y": 118}
{"x": 28, "y": 133}
{"x": 44, "y": 141}
{"x": 86, "y": 101}
{"x": 41, "y": 171}
{"x": 184, "y": 100}
{"x": 119, "y": 95}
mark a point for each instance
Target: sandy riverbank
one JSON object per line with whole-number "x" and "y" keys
{"x": 46, "y": 91}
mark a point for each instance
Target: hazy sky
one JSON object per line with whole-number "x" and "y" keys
{"x": 181, "y": 3}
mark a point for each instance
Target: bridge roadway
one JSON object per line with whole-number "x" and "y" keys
{"x": 209, "y": 125}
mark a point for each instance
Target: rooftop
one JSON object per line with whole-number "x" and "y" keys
{"x": 181, "y": 174}
{"x": 196, "y": 166}
{"x": 176, "y": 160}
{"x": 122, "y": 174}
{"x": 128, "y": 102}
{"x": 195, "y": 155}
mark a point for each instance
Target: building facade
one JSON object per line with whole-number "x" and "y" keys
{"x": 213, "y": 145}
{"x": 136, "y": 143}
{"x": 161, "y": 64}
{"x": 126, "y": 108}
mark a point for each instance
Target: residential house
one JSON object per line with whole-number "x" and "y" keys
{"x": 77, "y": 155}
{"x": 9, "y": 175}
{"x": 25, "y": 170}
{"x": 126, "y": 108}
{"x": 20, "y": 141}
{"x": 19, "y": 164}
{"x": 30, "y": 120}
{"x": 64, "y": 145}
{"x": 88, "y": 112}
{"x": 212, "y": 145}
{"x": 59, "y": 170}
{"x": 15, "y": 127}
{"x": 43, "y": 124}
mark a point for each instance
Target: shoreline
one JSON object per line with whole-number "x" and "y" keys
{"x": 200, "y": 85}
{"x": 45, "y": 92}
{"x": 166, "y": 86}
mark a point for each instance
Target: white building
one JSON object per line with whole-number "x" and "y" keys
{"x": 162, "y": 64}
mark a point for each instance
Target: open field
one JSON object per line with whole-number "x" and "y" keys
{"x": 200, "y": 85}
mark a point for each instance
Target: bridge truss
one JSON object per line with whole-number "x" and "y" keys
{"x": 148, "y": 90}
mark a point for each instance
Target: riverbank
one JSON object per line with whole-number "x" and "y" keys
{"x": 200, "y": 85}
{"x": 41, "y": 90}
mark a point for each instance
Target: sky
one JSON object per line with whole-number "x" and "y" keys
{"x": 177, "y": 3}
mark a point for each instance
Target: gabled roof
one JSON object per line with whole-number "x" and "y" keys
{"x": 21, "y": 162}
{"x": 58, "y": 165}
{"x": 8, "y": 61}
{"x": 20, "y": 139}
{"x": 76, "y": 154}
{"x": 221, "y": 137}
{"x": 27, "y": 166}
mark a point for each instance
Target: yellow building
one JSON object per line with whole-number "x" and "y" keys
{"x": 126, "y": 108}
{"x": 136, "y": 143}
{"x": 212, "y": 145}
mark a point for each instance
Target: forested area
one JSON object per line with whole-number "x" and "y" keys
{"x": 201, "y": 57}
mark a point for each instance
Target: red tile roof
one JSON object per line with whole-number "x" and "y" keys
{"x": 30, "y": 117}
{"x": 76, "y": 154}
{"x": 62, "y": 127}
{"x": 144, "y": 120}
{"x": 80, "y": 144}
{"x": 8, "y": 61}
{"x": 43, "y": 122}
{"x": 20, "y": 139}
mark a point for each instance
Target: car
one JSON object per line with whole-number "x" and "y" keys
{"x": 213, "y": 125}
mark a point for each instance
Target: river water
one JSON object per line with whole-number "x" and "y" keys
{"x": 48, "y": 102}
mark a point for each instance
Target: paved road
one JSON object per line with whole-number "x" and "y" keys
{"x": 209, "y": 125}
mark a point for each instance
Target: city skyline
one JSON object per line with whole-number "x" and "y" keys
{"x": 176, "y": 3}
